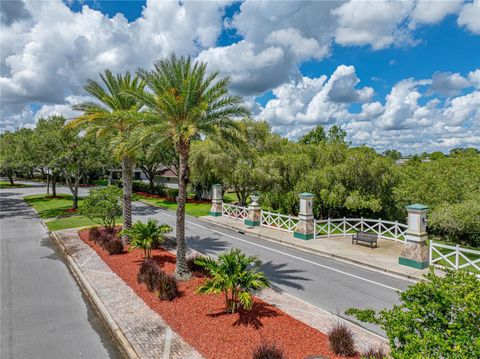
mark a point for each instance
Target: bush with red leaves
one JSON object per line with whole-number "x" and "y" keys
{"x": 150, "y": 274}
{"x": 268, "y": 350}
{"x": 114, "y": 246}
{"x": 341, "y": 340}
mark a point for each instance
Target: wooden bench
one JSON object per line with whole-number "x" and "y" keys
{"x": 365, "y": 237}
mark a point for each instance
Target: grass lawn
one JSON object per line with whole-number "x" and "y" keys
{"x": 49, "y": 207}
{"x": 52, "y": 210}
{"x": 4, "y": 184}
{"x": 461, "y": 260}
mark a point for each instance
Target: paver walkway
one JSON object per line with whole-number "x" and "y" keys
{"x": 146, "y": 331}
{"x": 385, "y": 257}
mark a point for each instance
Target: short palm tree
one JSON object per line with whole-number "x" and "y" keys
{"x": 116, "y": 115}
{"x": 146, "y": 235}
{"x": 234, "y": 274}
{"x": 183, "y": 104}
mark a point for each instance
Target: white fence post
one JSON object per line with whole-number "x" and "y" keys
{"x": 328, "y": 227}
{"x": 344, "y": 226}
{"x": 430, "y": 254}
{"x": 457, "y": 250}
{"x": 361, "y": 224}
{"x": 396, "y": 230}
{"x": 314, "y": 228}
{"x": 379, "y": 227}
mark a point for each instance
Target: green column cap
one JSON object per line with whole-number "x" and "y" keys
{"x": 306, "y": 194}
{"x": 417, "y": 206}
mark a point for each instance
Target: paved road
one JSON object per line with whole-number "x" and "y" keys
{"x": 43, "y": 312}
{"x": 321, "y": 281}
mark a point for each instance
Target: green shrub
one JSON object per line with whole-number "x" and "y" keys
{"x": 145, "y": 236}
{"x": 437, "y": 318}
{"x": 341, "y": 340}
{"x": 103, "y": 206}
{"x": 457, "y": 223}
{"x": 235, "y": 275}
{"x": 172, "y": 194}
{"x": 194, "y": 267}
{"x": 145, "y": 187}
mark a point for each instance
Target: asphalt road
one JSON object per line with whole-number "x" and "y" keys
{"x": 324, "y": 282}
{"x": 43, "y": 311}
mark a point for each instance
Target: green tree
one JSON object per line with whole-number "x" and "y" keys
{"x": 336, "y": 135}
{"x": 315, "y": 136}
{"x": 115, "y": 114}
{"x": 436, "y": 318}
{"x": 234, "y": 274}
{"x": 8, "y": 155}
{"x": 152, "y": 158}
{"x": 183, "y": 103}
{"x": 393, "y": 154}
{"x": 146, "y": 236}
{"x": 103, "y": 206}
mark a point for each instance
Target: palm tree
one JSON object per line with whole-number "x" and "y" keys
{"x": 146, "y": 236}
{"x": 183, "y": 104}
{"x": 116, "y": 115}
{"x": 234, "y": 274}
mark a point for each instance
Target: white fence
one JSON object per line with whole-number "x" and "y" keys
{"x": 278, "y": 221}
{"x": 349, "y": 226}
{"x": 454, "y": 257}
{"x": 234, "y": 211}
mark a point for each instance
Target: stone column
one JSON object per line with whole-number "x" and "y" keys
{"x": 217, "y": 201}
{"x": 305, "y": 227}
{"x": 415, "y": 252}
{"x": 254, "y": 213}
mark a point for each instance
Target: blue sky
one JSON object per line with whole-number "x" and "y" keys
{"x": 392, "y": 74}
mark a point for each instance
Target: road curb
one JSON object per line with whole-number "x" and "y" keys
{"x": 313, "y": 251}
{"x": 98, "y": 305}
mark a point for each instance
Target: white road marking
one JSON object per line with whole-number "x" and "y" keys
{"x": 293, "y": 256}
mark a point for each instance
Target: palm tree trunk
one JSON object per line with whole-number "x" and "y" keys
{"x": 181, "y": 270}
{"x": 127, "y": 184}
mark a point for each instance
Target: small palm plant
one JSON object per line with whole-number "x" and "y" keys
{"x": 146, "y": 235}
{"x": 234, "y": 274}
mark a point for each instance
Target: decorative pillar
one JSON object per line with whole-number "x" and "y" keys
{"x": 305, "y": 228}
{"x": 415, "y": 252}
{"x": 217, "y": 201}
{"x": 254, "y": 213}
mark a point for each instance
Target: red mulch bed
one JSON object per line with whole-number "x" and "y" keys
{"x": 189, "y": 200}
{"x": 201, "y": 319}
{"x": 71, "y": 210}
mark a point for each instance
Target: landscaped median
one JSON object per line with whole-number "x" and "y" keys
{"x": 202, "y": 320}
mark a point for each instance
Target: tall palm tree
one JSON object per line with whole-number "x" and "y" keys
{"x": 116, "y": 115}
{"x": 184, "y": 103}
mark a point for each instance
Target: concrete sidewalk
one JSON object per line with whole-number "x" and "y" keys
{"x": 383, "y": 258}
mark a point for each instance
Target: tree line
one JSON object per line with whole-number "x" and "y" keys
{"x": 180, "y": 116}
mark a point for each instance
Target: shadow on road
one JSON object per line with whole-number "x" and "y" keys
{"x": 279, "y": 274}
{"x": 207, "y": 245}
{"x": 14, "y": 207}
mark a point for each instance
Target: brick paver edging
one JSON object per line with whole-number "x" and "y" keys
{"x": 141, "y": 332}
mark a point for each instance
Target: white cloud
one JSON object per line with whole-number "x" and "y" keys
{"x": 449, "y": 84}
{"x": 410, "y": 120}
{"x": 430, "y": 12}
{"x": 48, "y": 54}
{"x": 470, "y": 16}
{"x": 372, "y": 23}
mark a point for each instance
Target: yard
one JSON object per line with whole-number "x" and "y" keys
{"x": 4, "y": 185}
{"x": 57, "y": 211}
